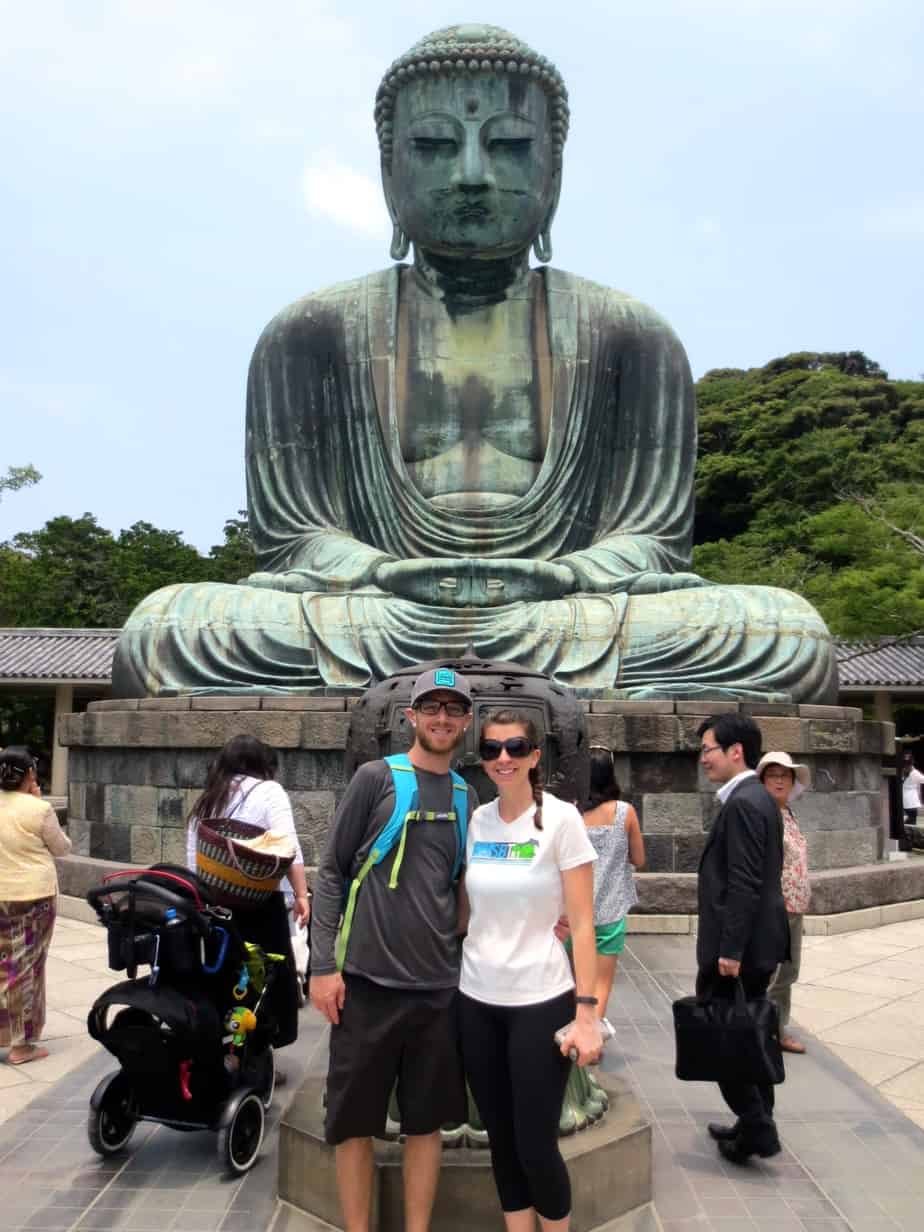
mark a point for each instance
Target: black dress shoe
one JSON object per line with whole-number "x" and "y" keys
{"x": 740, "y": 1149}
{"x": 722, "y": 1133}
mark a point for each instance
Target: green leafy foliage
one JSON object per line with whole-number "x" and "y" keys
{"x": 76, "y": 574}
{"x": 17, "y": 477}
{"x": 783, "y": 449}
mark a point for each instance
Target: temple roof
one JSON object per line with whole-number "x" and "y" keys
{"x": 62, "y": 655}
{"x": 881, "y": 663}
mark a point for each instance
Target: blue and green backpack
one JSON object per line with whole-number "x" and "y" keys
{"x": 407, "y": 809}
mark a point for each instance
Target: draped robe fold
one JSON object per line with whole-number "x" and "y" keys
{"x": 330, "y": 499}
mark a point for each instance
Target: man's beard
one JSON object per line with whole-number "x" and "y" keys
{"x": 438, "y": 750}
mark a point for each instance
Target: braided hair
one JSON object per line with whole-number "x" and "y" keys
{"x": 15, "y": 763}
{"x": 517, "y": 718}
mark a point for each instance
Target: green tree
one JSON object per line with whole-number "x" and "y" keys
{"x": 235, "y": 558}
{"x": 17, "y": 477}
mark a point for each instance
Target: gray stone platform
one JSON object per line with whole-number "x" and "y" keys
{"x": 609, "y": 1163}
{"x": 136, "y": 767}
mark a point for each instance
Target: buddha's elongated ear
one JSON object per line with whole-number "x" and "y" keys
{"x": 542, "y": 244}
{"x": 400, "y": 242}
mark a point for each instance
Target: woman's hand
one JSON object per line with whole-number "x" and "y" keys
{"x": 301, "y": 909}
{"x": 562, "y": 928}
{"x": 585, "y": 1038}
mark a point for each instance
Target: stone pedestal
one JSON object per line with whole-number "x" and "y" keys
{"x": 609, "y": 1164}
{"x": 136, "y": 767}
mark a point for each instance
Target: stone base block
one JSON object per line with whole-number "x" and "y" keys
{"x": 610, "y": 1167}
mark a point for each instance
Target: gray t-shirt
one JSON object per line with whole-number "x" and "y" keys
{"x": 402, "y": 938}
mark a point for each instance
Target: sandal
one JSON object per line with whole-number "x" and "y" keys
{"x": 35, "y": 1053}
{"x": 788, "y": 1044}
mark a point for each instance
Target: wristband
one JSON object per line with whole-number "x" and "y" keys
{"x": 585, "y": 1000}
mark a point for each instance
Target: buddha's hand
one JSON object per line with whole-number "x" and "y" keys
{"x": 293, "y": 581}
{"x": 464, "y": 582}
{"x": 658, "y": 583}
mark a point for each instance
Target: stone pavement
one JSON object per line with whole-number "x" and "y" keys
{"x": 853, "y": 1160}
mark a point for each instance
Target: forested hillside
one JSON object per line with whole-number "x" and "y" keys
{"x": 808, "y": 469}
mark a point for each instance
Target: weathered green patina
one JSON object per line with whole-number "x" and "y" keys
{"x": 465, "y": 451}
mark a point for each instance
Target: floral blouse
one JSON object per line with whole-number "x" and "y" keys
{"x": 796, "y": 888}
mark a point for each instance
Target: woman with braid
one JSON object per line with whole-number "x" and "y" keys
{"x": 529, "y": 860}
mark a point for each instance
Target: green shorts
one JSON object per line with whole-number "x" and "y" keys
{"x": 611, "y": 938}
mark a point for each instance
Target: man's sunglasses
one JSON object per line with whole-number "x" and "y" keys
{"x": 455, "y": 710}
{"x": 516, "y": 746}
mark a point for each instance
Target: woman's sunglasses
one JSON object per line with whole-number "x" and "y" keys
{"x": 516, "y": 746}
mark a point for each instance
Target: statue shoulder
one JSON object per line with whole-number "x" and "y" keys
{"x": 608, "y": 305}
{"x": 318, "y": 312}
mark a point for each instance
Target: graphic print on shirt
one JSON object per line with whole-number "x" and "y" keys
{"x": 504, "y": 853}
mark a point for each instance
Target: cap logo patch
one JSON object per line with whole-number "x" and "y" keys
{"x": 445, "y": 678}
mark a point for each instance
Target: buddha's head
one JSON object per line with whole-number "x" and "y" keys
{"x": 472, "y": 126}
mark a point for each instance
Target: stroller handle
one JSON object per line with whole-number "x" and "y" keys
{"x": 182, "y": 905}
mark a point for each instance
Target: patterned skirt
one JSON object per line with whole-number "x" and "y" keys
{"x": 25, "y": 935}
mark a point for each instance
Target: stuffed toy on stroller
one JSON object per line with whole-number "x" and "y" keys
{"x": 192, "y": 1036}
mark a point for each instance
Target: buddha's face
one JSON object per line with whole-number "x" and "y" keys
{"x": 472, "y": 170}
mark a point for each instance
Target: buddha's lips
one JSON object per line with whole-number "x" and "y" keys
{"x": 472, "y": 212}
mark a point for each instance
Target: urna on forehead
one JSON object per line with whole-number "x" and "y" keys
{"x": 472, "y": 51}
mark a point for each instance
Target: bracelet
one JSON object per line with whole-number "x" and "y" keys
{"x": 585, "y": 1000}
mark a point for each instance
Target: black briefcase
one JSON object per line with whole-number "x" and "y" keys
{"x": 723, "y": 1039}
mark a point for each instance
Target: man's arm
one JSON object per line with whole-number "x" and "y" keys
{"x": 347, "y": 835}
{"x": 745, "y": 846}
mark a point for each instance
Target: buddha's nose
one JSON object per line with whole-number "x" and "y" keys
{"x": 473, "y": 169}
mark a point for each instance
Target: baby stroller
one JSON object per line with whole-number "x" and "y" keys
{"x": 192, "y": 1037}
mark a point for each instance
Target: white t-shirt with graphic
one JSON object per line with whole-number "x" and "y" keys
{"x": 511, "y": 955}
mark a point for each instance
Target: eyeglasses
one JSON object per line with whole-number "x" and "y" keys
{"x": 455, "y": 710}
{"x": 516, "y": 746}
{"x": 706, "y": 749}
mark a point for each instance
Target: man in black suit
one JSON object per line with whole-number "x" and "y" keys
{"x": 743, "y": 927}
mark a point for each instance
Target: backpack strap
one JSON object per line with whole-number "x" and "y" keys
{"x": 404, "y": 781}
{"x": 460, "y": 806}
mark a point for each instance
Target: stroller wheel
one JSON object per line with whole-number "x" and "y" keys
{"x": 113, "y": 1114}
{"x": 239, "y": 1141}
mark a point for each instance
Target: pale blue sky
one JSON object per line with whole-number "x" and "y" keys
{"x": 175, "y": 171}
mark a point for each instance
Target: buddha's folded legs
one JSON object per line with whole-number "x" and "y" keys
{"x": 737, "y": 641}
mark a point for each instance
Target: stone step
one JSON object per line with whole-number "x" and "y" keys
{"x": 609, "y": 1163}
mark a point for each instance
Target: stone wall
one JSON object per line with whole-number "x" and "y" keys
{"x": 135, "y": 768}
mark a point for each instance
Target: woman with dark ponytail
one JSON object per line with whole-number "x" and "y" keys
{"x": 30, "y": 838}
{"x": 613, "y": 828}
{"x": 529, "y": 860}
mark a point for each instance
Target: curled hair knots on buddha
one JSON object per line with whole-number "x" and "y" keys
{"x": 242, "y": 757}
{"x": 603, "y": 784}
{"x": 472, "y": 49}
{"x": 15, "y": 763}
{"x": 517, "y": 718}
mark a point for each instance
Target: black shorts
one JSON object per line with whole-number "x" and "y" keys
{"x": 388, "y": 1036}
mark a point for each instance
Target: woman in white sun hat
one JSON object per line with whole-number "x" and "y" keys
{"x": 785, "y": 780}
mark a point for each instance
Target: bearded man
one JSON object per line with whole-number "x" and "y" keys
{"x": 392, "y": 1006}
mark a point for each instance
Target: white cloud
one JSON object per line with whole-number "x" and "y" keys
{"x": 335, "y": 190}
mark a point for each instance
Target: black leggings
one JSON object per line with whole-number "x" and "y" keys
{"x": 518, "y": 1077}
